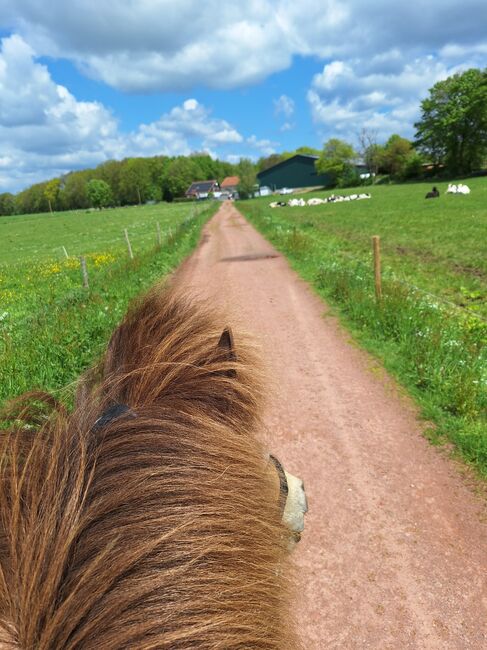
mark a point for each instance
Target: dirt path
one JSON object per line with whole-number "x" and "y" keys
{"x": 394, "y": 554}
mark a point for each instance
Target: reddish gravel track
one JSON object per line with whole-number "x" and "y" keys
{"x": 394, "y": 554}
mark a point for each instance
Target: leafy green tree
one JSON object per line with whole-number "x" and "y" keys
{"x": 7, "y": 204}
{"x": 336, "y": 160}
{"x": 99, "y": 193}
{"x": 413, "y": 166}
{"x": 266, "y": 162}
{"x": 180, "y": 173}
{"x": 395, "y": 155}
{"x": 135, "y": 181}
{"x": 246, "y": 172}
{"x": 32, "y": 199}
{"x": 73, "y": 194}
{"x": 51, "y": 192}
{"x": 453, "y": 125}
{"x": 109, "y": 172}
{"x": 308, "y": 151}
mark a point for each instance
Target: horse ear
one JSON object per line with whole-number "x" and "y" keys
{"x": 227, "y": 348}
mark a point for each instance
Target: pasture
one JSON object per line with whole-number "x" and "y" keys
{"x": 430, "y": 328}
{"x": 51, "y": 328}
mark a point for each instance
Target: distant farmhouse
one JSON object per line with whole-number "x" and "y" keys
{"x": 230, "y": 184}
{"x": 297, "y": 171}
{"x": 201, "y": 189}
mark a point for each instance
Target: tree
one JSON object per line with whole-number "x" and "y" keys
{"x": 266, "y": 162}
{"x": 395, "y": 154}
{"x": 7, "y": 204}
{"x": 179, "y": 175}
{"x": 336, "y": 160}
{"x": 307, "y": 151}
{"x": 453, "y": 125}
{"x": 99, "y": 193}
{"x": 370, "y": 150}
{"x": 135, "y": 181}
{"x": 73, "y": 194}
{"x": 247, "y": 178}
{"x": 51, "y": 192}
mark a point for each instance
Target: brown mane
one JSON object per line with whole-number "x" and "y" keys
{"x": 159, "y": 529}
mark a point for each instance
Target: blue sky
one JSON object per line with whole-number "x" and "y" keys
{"x": 83, "y": 81}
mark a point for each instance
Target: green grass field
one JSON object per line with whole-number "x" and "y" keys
{"x": 430, "y": 329}
{"x": 51, "y": 328}
{"x": 439, "y": 245}
{"x": 40, "y": 237}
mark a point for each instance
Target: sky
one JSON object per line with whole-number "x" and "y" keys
{"x": 86, "y": 81}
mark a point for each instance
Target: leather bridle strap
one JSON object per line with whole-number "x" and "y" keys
{"x": 283, "y": 486}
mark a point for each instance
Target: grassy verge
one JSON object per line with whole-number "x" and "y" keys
{"x": 437, "y": 351}
{"x": 54, "y": 329}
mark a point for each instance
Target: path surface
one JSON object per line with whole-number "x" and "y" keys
{"x": 394, "y": 554}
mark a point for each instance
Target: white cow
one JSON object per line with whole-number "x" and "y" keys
{"x": 457, "y": 189}
{"x": 315, "y": 201}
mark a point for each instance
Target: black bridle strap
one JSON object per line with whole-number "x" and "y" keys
{"x": 283, "y": 486}
{"x": 113, "y": 412}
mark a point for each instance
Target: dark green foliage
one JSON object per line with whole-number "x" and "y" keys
{"x": 246, "y": 173}
{"x": 336, "y": 161}
{"x": 395, "y": 155}
{"x": 7, "y": 204}
{"x": 133, "y": 181}
{"x": 99, "y": 193}
{"x": 453, "y": 125}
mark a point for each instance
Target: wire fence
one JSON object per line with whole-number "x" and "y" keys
{"x": 391, "y": 275}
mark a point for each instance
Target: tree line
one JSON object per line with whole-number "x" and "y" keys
{"x": 451, "y": 138}
{"x": 130, "y": 181}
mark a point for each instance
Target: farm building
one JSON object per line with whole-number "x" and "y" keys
{"x": 201, "y": 189}
{"x": 230, "y": 184}
{"x": 298, "y": 171}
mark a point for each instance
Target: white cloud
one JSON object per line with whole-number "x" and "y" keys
{"x": 345, "y": 97}
{"x": 45, "y": 131}
{"x": 284, "y": 106}
{"x": 265, "y": 147}
{"x": 154, "y": 45}
{"x": 287, "y": 126}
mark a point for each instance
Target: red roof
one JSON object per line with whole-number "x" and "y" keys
{"x": 230, "y": 181}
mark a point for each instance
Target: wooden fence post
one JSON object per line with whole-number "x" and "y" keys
{"x": 377, "y": 269}
{"x": 84, "y": 271}
{"x": 159, "y": 236}
{"x": 131, "y": 255}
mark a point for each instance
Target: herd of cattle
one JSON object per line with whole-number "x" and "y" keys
{"x": 337, "y": 198}
{"x": 334, "y": 198}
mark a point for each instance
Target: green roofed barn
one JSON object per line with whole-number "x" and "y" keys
{"x": 297, "y": 171}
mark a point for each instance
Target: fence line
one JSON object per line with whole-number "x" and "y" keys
{"x": 391, "y": 275}
{"x": 193, "y": 213}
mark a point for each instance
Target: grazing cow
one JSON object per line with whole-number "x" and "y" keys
{"x": 151, "y": 516}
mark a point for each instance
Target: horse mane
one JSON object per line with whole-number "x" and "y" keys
{"x": 159, "y": 529}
